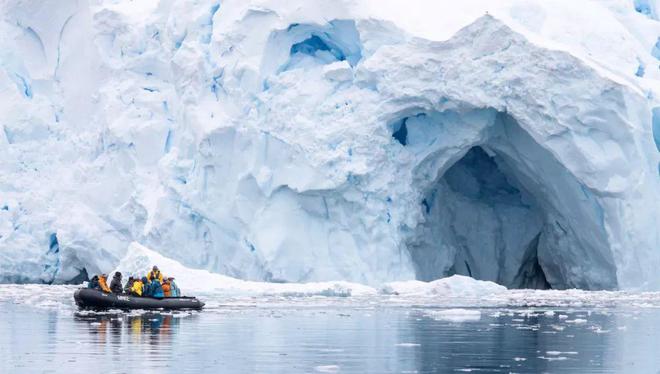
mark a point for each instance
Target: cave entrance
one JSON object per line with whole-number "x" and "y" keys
{"x": 505, "y": 210}
{"x": 490, "y": 223}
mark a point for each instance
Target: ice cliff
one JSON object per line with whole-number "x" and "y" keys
{"x": 296, "y": 141}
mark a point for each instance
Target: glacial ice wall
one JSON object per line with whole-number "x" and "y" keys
{"x": 311, "y": 140}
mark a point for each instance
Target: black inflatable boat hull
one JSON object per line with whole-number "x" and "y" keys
{"x": 87, "y": 298}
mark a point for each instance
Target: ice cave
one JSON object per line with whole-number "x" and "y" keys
{"x": 505, "y": 210}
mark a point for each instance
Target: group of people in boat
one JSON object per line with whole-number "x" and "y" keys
{"x": 152, "y": 285}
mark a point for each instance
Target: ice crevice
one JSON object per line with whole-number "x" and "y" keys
{"x": 302, "y": 142}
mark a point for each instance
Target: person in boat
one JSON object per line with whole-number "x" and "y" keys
{"x": 155, "y": 274}
{"x": 129, "y": 284}
{"x": 103, "y": 283}
{"x": 146, "y": 287}
{"x": 152, "y": 288}
{"x": 157, "y": 289}
{"x": 115, "y": 285}
{"x": 166, "y": 287}
{"x": 174, "y": 289}
{"x": 94, "y": 283}
{"x": 137, "y": 288}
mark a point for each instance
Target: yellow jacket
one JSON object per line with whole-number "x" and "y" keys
{"x": 137, "y": 288}
{"x": 104, "y": 284}
{"x": 155, "y": 275}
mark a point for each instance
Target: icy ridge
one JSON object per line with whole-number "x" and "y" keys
{"x": 224, "y": 294}
{"x": 139, "y": 258}
{"x": 312, "y": 141}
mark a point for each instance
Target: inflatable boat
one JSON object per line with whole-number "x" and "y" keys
{"x": 87, "y": 298}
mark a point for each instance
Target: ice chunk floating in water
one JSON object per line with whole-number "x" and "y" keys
{"x": 301, "y": 142}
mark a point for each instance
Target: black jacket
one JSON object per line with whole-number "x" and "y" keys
{"x": 94, "y": 283}
{"x": 115, "y": 285}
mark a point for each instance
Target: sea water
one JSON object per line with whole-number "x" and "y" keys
{"x": 331, "y": 335}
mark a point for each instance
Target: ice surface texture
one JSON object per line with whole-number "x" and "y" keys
{"x": 308, "y": 141}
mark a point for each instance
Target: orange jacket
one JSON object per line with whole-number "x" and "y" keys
{"x": 104, "y": 284}
{"x": 166, "y": 289}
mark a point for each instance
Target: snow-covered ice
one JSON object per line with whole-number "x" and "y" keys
{"x": 457, "y": 299}
{"x": 455, "y": 315}
{"x": 139, "y": 260}
{"x": 327, "y": 368}
{"x": 334, "y": 144}
{"x": 455, "y": 286}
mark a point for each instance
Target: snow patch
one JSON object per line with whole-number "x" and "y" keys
{"x": 139, "y": 260}
{"x": 454, "y": 315}
{"x": 408, "y": 345}
{"x": 454, "y": 286}
{"x": 327, "y": 368}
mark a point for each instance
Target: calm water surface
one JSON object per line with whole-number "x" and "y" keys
{"x": 312, "y": 339}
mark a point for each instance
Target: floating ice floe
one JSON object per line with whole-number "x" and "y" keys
{"x": 327, "y": 368}
{"x": 454, "y": 315}
{"x": 455, "y": 286}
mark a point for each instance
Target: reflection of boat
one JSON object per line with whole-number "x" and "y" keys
{"x": 94, "y": 299}
{"x": 153, "y": 327}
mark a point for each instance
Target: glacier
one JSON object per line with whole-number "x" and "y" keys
{"x": 311, "y": 141}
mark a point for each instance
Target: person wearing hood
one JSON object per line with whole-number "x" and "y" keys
{"x": 103, "y": 283}
{"x": 157, "y": 289}
{"x": 137, "y": 288}
{"x": 115, "y": 285}
{"x": 94, "y": 283}
{"x": 129, "y": 284}
{"x": 155, "y": 274}
{"x": 174, "y": 289}
{"x": 147, "y": 287}
{"x": 166, "y": 287}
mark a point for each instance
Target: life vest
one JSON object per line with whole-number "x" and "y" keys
{"x": 153, "y": 275}
{"x": 104, "y": 285}
{"x": 137, "y": 288}
{"x": 166, "y": 289}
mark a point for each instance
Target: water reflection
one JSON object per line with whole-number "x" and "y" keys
{"x": 153, "y": 328}
{"x": 358, "y": 340}
{"x": 516, "y": 341}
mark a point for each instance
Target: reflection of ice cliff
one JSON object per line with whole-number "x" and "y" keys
{"x": 312, "y": 143}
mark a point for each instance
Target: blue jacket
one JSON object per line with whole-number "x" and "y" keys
{"x": 94, "y": 283}
{"x": 174, "y": 290}
{"x": 156, "y": 290}
{"x": 147, "y": 288}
